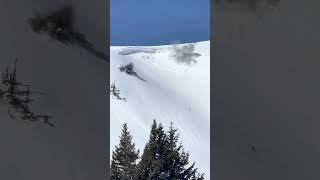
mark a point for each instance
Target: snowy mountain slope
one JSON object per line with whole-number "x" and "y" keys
{"x": 172, "y": 91}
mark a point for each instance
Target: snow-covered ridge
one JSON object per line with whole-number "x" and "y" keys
{"x": 176, "y": 89}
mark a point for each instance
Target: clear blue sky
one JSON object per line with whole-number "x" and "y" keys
{"x": 155, "y": 22}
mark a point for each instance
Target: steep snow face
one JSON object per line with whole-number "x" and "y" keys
{"x": 170, "y": 84}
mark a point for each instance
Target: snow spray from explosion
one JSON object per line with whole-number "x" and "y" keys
{"x": 184, "y": 53}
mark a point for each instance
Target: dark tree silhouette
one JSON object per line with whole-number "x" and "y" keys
{"x": 177, "y": 160}
{"x": 152, "y": 162}
{"x": 163, "y": 158}
{"x": 17, "y": 96}
{"x": 124, "y": 157}
{"x": 115, "y": 92}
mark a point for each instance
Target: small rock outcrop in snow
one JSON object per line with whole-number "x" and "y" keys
{"x": 128, "y": 69}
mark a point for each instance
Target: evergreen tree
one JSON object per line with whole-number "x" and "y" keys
{"x": 177, "y": 160}
{"x": 151, "y": 165}
{"x": 163, "y": 158}
{"x": 124, "y": 157}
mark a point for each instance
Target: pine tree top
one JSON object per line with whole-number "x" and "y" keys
{"x": 124, "y": 157}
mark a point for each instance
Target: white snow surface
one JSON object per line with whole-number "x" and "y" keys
{"x": 173, "y": 92}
